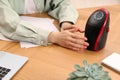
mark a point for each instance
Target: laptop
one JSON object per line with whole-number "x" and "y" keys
{"x": 10, "y": 64}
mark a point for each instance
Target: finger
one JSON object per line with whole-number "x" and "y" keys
{"x": 76, "y": 41}
{"x": 73, "y": 30}
{"x": 76, "y": 36}
{"x": 69, "y": 27}
{"x": 78, "y": 28}
{"x": 73, "y": 48}
{"x": 79, "y": 41}
{"x": 82, "y": 31}
{"x": 76, "y": 46}
{"x": 86, "y": 44}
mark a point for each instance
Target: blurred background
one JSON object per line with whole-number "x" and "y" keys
{"x": 93, "y": 3}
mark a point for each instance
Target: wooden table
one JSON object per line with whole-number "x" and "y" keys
{"x": 55, "y": 63}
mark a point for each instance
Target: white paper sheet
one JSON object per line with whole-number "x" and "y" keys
{"x": 113, "y": 61}
{"x": 44, "y": 23}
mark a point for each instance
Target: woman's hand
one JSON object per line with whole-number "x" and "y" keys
{"x": 67, "y": 26}
{"x": 68, "y": 39}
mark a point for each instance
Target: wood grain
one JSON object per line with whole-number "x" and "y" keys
{"x": 55, "y": 63}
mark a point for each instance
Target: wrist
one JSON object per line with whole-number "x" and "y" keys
{"x": 51, "y": 37}
{"x": 66, "y": 25}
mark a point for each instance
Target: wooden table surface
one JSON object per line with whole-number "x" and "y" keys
{"x": 55, "y": 63}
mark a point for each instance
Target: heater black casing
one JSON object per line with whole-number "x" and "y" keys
{"x": 97, "y": 28}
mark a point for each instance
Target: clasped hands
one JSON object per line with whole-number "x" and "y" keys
{"x": 70, "y": 37}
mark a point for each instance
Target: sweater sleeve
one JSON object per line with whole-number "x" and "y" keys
{"x": 13, "y": 28}
{"x": 63, "y": 11}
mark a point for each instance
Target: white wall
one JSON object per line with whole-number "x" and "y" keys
{"x": 92, "y": 3}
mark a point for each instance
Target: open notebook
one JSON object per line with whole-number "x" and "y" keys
{"x": 10, "y": 64}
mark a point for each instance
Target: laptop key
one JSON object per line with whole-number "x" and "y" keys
{"x": 3, "y": 69}
{"x": 3, "y": 72}
{"x": 8, "y": 70}
{"x": 0, "y": 67}
{"x": 1, "y": 75}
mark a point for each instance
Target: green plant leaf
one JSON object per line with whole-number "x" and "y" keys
{"x": 77, "y": 67}
{"x": 80, "y": 74}
{"x": 89, "y": 72}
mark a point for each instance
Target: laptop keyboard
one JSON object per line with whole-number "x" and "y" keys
{"x": 3, "y": 72}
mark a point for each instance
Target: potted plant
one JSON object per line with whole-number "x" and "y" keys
{"x": 89, "y": 72}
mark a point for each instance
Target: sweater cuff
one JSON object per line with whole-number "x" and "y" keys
{"x": 65, "y": 21}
